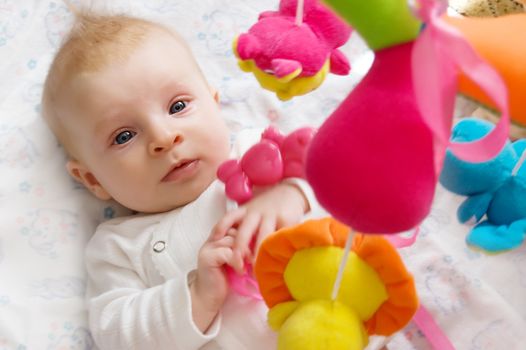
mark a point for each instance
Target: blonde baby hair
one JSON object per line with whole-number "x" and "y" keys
{"x": 93, "y": 42}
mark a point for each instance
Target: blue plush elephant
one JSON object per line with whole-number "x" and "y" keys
{"x": 495, "y": 189}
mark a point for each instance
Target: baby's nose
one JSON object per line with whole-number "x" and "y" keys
{"x": 163, "y": 141}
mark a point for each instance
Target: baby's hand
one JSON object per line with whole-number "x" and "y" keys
{"x": 210, "y": 287}
{"x": 279, "y": 206}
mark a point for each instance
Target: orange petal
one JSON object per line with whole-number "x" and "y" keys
{"x": 402, "y": 301}
{"x": 277, "y": 249}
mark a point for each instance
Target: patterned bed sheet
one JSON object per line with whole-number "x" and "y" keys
{"x": 46, "y": 218}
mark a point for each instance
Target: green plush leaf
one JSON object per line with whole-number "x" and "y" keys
{"x": 382, "y": 23}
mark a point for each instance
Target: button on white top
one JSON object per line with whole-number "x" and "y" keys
{"x": 159, "y": 246}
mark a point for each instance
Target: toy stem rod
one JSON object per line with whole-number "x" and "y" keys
{"x": 299, "y": 13}
{"x": 519, "y": 163}
{"x": 338, "y": 281}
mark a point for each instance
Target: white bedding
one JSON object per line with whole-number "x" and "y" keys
{"x": 46, "y": 219}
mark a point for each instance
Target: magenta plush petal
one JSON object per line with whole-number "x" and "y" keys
{"x": 371, "y": 163}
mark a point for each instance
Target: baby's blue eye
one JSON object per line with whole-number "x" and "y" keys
{"x": 124, "y": 137}
{"x": 177, "y": 107}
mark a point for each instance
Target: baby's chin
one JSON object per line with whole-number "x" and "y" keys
{"x": 160, "y": 205}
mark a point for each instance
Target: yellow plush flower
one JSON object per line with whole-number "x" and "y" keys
{"x": 296, "y": 268}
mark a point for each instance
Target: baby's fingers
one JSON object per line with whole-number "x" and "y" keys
{"x": 245, "y": 232}
{"x": 267, "y": 227}
{"x": 216, "y": 255}
{"x": 222, "y": 256}
{"x": 228, "y": 221}
{"x": 237, "y": 262}
{"x": 227, "y": 241}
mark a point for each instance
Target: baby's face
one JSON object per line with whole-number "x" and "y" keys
{"x": 149, "y": 130}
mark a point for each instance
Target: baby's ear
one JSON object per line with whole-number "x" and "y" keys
{"x": 82, "y": 174}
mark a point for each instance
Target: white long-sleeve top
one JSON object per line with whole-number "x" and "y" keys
{"x": 139, "y": 269}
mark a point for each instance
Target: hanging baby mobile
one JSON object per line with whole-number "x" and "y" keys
{"x": 373, "y": 164}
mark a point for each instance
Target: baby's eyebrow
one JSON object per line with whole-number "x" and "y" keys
{"x": 106, "y": 120}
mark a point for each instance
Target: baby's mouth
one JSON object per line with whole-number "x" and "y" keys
{"x": 180, "y": 170}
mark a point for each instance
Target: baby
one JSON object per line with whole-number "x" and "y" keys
{"x": 142, "y": 126}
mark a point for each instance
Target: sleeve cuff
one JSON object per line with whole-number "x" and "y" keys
{"x": 213, "y": 329}
{"x": 187, "y": 329}
{"x": 315, "y": 210}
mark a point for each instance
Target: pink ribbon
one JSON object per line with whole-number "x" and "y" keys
{"x": 245, "y": 284}
{"x": 431, "y": 330}
{"x": 437, "y": 54}
{"x": 422, "y": 318}
{"x": 402, "y": 242}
